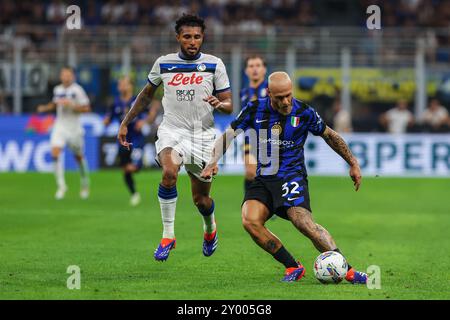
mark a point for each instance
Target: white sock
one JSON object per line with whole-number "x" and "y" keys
{"x": 84, "y": 173}
{"x": 58, "y": 167}
{"x": 209, "y": 223}
{"x": 168, "y": 207}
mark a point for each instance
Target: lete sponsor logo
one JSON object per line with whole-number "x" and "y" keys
{"x": 180, "y": 79}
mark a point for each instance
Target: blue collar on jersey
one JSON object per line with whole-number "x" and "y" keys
{"x": 263, "y": 84}
{"x": 185, "y": 57}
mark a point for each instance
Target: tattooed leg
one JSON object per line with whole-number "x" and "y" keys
{"x": 254, "y": 216}
{"x": 303, "y": 221}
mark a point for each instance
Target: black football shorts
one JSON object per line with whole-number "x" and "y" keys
{"x": 280, "y": 194}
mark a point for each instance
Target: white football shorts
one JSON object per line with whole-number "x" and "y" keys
{"x": 194, "y": 149}
{"x": 73, "y": 139}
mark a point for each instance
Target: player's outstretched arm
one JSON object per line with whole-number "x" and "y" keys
{"x": 335, "y": 141}
{"x": 46, "y": 107}
{"x": 143, "y": 99}
{"x": 220, "y": 147}
{"x": 223, "y": 102}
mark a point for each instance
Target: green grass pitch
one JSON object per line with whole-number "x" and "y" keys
{"x": 401, "y": 225}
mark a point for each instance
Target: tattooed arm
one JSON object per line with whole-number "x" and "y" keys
{"x": 335, "y": 141}
{"x": 143, "y": 99}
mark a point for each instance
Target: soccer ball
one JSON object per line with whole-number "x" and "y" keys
{"x": 330, "y": 267}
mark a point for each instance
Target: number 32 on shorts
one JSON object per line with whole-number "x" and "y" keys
{"x": 291, "y": 190}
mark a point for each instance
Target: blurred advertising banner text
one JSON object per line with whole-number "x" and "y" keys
{"x": 24, "y": 146}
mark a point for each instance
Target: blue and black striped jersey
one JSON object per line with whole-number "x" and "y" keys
{"x": 119, "y": 110}
{"x": 248, "y": 94}
{"x": 279, "y": 139}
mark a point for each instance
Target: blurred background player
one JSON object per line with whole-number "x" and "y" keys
{"x": 70, "y": 100}
{"x": 255, "y": 69}
{"x": 282, "y": 123}
{"x": 130, "y": 158}
{"x": 187, "y": 133}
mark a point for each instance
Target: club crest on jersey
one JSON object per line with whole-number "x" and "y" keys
{"x": 263, "y": 93}
{"x": 276, "y": 129}
{"x": 201, "y": 67}
{"x": 295, "y": 121}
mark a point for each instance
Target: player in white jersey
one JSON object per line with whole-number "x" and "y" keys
{"x": 69, "y": 100}
{"x": 195, "y": 84}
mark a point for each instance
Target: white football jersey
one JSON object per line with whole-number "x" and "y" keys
{"x": 66, "y": 118}
{"x": 186, "y": 84}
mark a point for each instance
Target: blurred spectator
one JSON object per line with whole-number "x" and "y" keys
{"x": 92, "y": 17}
{"x": 397, "y": 119}
{"x": 56, "y": 12}
{"x": 435, "y": 118}
{"x": 422, "y": 13}
{"x": 342, "y": 120}
{"x": 112, "y": 11}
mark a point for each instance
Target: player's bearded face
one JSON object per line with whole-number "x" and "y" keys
{"x": 282, "y": 102}
{"x": 190, "y": 40}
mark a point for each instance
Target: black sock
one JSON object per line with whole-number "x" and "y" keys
{"x": 247, "y": 183}
{"x": 284, "y": 257}
{"x": 130, "y": 182}
{"x": 339, "y": 251}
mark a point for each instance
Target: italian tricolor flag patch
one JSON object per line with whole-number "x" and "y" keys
{"x": 295, "y": 121}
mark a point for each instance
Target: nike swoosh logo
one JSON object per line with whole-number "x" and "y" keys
{"x": 290, "y": 199}
{"x": 259, "y": 121}
{"x": 171, "y": 68}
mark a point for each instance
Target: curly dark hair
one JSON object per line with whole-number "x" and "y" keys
{"x": 189, "y": 20}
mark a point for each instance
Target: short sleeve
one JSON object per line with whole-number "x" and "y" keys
{"x": 154, "y": 77}
{"x": 81, "y": 97}
{"x": 221, "y": 81}
{"x": 243, "y": 94}
{"x": 243, "y": 119}
{"x": 315, "y": 124}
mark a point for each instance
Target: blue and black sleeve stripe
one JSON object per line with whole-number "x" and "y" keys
{"x": 245, "y": 117}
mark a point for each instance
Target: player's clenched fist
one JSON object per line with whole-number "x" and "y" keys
{"x": 355, "y": 174}
{"x": 66, "y": 103}
{"x": 210, "y": 170}
{"x": 122, "y": 136}
{"x": 213, "y": 101}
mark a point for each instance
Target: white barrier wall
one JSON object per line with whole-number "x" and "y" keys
{"x": 378, "y": 154}
{"x": 24, "y": 147}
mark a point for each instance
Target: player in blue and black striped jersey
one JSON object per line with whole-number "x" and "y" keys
{"x": 130, "y": 159}
{"x": 278, "y": 126}
{"x": 255, "y": 69}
